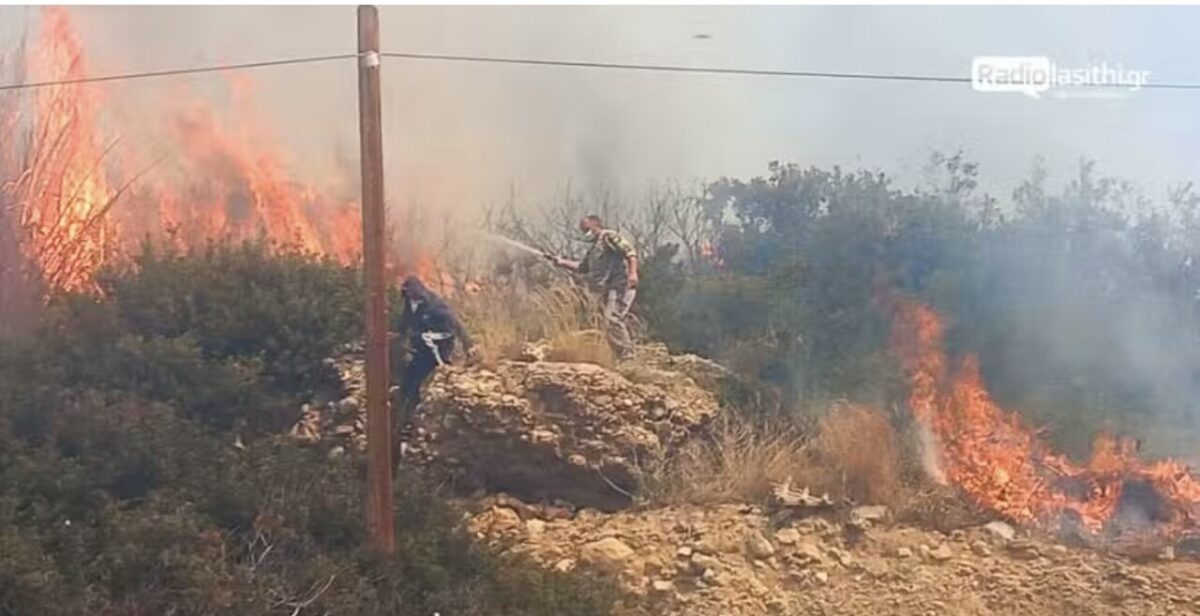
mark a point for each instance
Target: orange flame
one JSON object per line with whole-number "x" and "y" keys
{"x": 229, "y": 180}
{"x": 1001, "y": 464}
{"x": 237, "y": 187}
{"x": 61, "y": 196}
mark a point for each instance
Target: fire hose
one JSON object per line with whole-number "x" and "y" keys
{"x": 431, "y": 339}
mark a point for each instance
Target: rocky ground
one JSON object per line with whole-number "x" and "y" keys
{"x": 731, "y": 560}
{"x": 540, "y": 429}
{"x": 570, "y": 440}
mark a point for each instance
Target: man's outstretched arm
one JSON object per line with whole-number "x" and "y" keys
{"x": 566, "y": 263}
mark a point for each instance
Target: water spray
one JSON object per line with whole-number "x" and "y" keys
{"x": 518, "y": 245}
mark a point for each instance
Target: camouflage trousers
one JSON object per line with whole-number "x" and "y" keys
{"x": 617, "y": 302}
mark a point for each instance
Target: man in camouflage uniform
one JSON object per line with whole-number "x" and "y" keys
{"x": 611, "y": 270}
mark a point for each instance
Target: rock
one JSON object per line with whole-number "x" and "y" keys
{"x": 533, "y": 352}
{"x": 500, "y": 521}
{"x": 1023, "y": 550}
{"x": 704, "y": 562}
{"x": 809, "y": 552}
{"x": 1137, "y": 580}
{"x": 557, "y": 512}
{"x": 866, "y": 516}
{"x": 336, "y": 452}
{"x": 694, "y": 370}
{"x": 941, "y": 553}
{"x": 606, "y": 554}
{"x": 585, "y": 514}
{"x": 1167, "y": 553}
{"x": 903, "y": 552}
{"x": 787, "y": 536}
{"x": 842, "y": 557}
{"x": 980, "y": 548}
{"x": 821, "y": 577}
{"x": 707, "y": 545}
{"x": 535, "y": 527}
{"x": 758, "y": 545}
{"x": 1000, "y": 531}
{"x": 662, "y": 587}
{"x": 546, "y": 430}
{"x": 684, "y": 552}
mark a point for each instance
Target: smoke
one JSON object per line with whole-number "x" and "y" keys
{"x": 930, "y": 453}
{"x": 457, "y": 136}
{"x": 460, "y": 134}
{"x": 1092, "y": 319}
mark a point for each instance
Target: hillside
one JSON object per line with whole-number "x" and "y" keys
{"x": 565, "y": 437}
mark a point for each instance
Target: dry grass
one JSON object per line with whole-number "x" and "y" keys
{"x": 738, "y": 462}
{"x": 855, "y": 454}
{"x": 502, "y": 319}
{"x": 588, "y": 346}
{"x": 861, "y": 446}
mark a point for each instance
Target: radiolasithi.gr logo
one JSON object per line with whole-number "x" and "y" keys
{"x": 1034, "y": 76}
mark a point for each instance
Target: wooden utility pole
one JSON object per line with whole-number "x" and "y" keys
{"x": 380, "y": 522}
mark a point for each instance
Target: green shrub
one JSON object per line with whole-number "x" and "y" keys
{"x": 127, "y": 507}
{"x": 121, "y": 492}
{"x": 234, "y": 335}
{"x": 287, "y": 308}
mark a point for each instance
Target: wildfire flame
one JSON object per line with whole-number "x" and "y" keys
{"x": 60, "y": 198}
{"x": 1002, "y": 464}
{"x": 74, "y": 201}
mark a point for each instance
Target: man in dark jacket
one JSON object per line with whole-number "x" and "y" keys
{"x": 431, "y": 328}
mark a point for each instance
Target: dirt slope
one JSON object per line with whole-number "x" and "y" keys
{"x": 730, "y": 560}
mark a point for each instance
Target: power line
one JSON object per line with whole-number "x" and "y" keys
{"x": 667, "y": 68}
{"x": 708, "y": 70}
{"x": 659, "y": 68}
{"x": 176, "y": 71}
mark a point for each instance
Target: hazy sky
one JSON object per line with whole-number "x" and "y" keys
{"x": 458, "y": 133}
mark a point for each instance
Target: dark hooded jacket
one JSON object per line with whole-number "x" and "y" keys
{"x": 430, "y": 314}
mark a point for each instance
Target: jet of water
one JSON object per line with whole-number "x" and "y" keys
{"x": 515, "y": 244}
